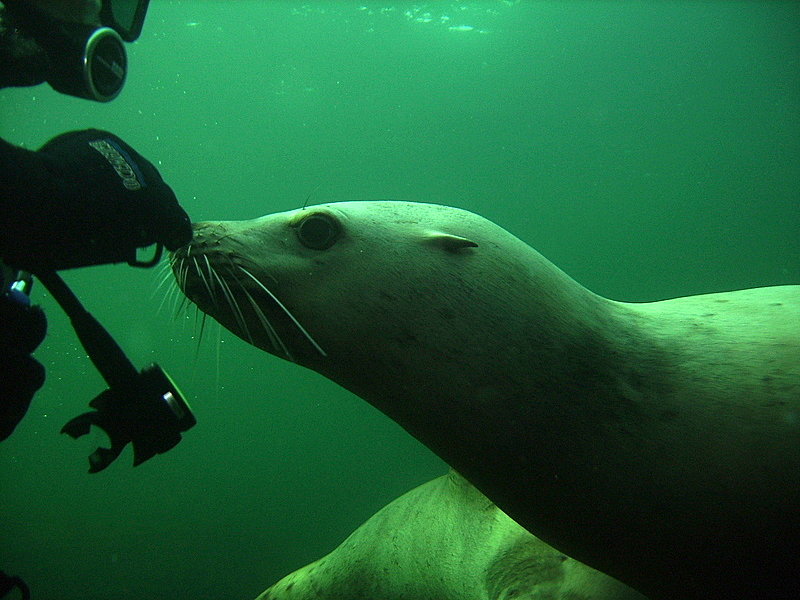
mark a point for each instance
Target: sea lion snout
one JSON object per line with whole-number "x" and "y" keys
{"x": 218, "y": 243}
{"x": 219, "y": 270}
{"x": 208, "y": 234}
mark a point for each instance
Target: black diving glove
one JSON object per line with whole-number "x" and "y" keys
{"x": 85, "y": 198}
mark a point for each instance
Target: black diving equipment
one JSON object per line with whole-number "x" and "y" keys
{"x": 19, "y": 290}
{"x": 86, "y": 61}
{"x": 23, "y": 326}
{"x": 9, "y": 583}
{"x": 143, "y": 408}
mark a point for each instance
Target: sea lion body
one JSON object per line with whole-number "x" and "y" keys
{"x": 445, "y": 540}
{"x": 657, "y": 442}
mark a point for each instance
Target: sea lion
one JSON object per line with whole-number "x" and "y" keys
{"x": 657, "y": 442}
{"x": 445, "y": 540}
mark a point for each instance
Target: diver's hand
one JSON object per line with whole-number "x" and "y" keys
{"x": 112, "y": 177}
{"x": 91, "y": 199}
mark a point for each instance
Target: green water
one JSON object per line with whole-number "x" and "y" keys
{"x": 650, "y": 149}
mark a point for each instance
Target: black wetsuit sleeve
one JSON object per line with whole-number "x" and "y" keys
{"x": 21, "y": 174}
{"x": 34, "y": 198}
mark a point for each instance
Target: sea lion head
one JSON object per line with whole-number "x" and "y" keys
{"x": 386, "y": 298}
{"x": 270, "y": 279}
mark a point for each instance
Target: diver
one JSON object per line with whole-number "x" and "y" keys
{"x": 84, "y": 198}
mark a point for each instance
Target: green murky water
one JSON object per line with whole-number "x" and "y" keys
{"x": 650, "y": 149}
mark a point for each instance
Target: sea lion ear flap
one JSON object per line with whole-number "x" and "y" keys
{"x": 448, "y": 242}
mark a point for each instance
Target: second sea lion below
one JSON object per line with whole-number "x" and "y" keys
{"x": 444, "y": 540}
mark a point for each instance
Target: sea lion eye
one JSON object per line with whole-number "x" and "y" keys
{"x": 318, "y": 231}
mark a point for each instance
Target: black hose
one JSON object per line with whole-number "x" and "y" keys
{"x": 104, "y": 352}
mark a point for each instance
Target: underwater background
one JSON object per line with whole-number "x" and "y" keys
{"x": 649, "y": 149}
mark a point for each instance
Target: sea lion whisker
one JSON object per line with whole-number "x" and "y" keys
{"x": 272, "y": 334}
{"x": 177, "y": 306}
{"x": 184, "y": 301}
{"x": 285, "y": 310}
{"x": 163, "y": 277}
{"x": 235, "y": 308}
{"x": 197, "y": 313}
{"x": 211, "y": 282}
{"x": 180, "y": 306}
{"x": 166, "y": 277}
{"x": 180, "y": 274}
{"x": 163, "y": 274}
{"x": 186, "y": 271}
{"x": 176, "y": 264}
{"x": 179, "y": 302}
{"x": 169, "y": 293}
{"x": 274, "y": 338}
{"x": 202, "y": 328}
{"x": 202, "y": 275}
{"x": 181, "y": 264}
{"x": 199, "y": 336}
